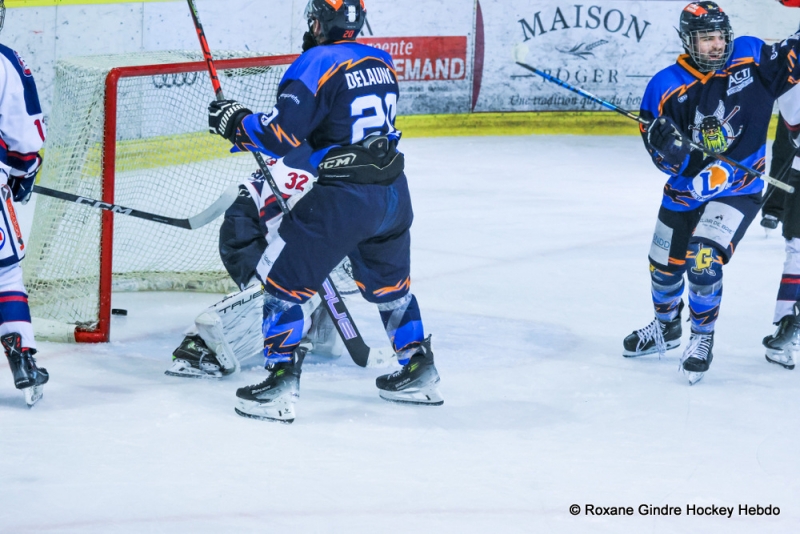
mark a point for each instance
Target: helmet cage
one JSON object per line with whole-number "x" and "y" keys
{"x": 339, "y": 19}
{"x": 705, "y": 63}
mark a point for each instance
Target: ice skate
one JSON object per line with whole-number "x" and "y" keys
{"x": 415, "y": 383}
{"x": 193, "y": 359}
{"x": 27, "y": 376}
{"x": 274, "y": 398}
{"x": 784, "y": 344}
{"x": 697, "y": 356}
{"x": 658, "y": 336}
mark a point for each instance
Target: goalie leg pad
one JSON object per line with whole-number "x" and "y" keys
{"x": 232, "y": 327}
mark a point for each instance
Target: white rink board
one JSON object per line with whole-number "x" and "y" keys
{"x": 44, "y": 35}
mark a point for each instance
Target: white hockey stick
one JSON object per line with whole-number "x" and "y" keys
{"x": 192, "y": 223}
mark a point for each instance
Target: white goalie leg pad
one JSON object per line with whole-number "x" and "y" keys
{"x": 232, "y": 327}
{"x": 325, "y": 339}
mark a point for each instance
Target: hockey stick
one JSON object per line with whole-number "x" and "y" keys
{"x": 192, "y": 223}
{"x": 359, "y": 351}
{"x": 752, "y": 172}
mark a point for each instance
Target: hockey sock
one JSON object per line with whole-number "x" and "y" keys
{"x": 667, "y": 288}
{"x": 705, "y": 285}
{"x": 284, "y": 326}
{"x": 789, "y": 290}
{"x": 403, "y": 324}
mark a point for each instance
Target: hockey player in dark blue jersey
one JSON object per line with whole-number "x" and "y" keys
{"x": 720, "y": 94}
{"x": 340, "y": 96}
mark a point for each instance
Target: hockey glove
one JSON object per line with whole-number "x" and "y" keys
{"x": 22, "y": 186}
{"x": 663, "y": 135}
{"x": 309, "y": 41}
{"x": 225, "y": 116}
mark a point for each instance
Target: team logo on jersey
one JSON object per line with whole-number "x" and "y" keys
{"x": 717, "y": 128}
{"x": 710, "y": 182}
{"x": 739, "y": 80}
{"x": 22, "y": 64}
{"x": 2, "y": 239}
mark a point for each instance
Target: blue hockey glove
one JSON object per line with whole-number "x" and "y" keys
{"x": 22, "y": 186}
{"x": 664, "y": 136}
{"x": 225, "y": 116}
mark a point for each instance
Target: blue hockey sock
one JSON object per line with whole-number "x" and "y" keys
{"x": 284, "y": 327}
{"x": 403, "y": 324}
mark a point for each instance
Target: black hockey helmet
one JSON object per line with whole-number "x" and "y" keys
{"x": 700, "y": 18}
{"x": 339, "y": 19}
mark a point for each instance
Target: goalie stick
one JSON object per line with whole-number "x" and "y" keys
{"x": 192, "y": 223}
{"x": 768, "y": 179}
{"x": 360, "y": 352}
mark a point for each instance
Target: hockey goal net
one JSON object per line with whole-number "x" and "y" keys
{"x": 133, "y": 130}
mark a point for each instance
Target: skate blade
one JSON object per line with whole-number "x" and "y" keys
{"x": 427, "y": 397}
{"x": 779, "y": 358}
{"x": 282, "y": 412}
{"x": 264, "y": 418}
{"x": 669, "y": 346}
{"x": 693, "y": 377}
{"x": 33, "y": 394}
{"x": 183, "y": 370}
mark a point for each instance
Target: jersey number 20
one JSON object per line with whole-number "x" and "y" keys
{"x": 381, "y": 113}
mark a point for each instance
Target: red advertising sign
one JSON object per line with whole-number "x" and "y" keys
{"x": 424, "y": 59}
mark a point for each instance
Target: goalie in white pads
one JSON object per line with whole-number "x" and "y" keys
{"x": 229, "y": 332}
{"x": 21, "y": 139}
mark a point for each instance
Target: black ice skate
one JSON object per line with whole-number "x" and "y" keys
{"x": 785, "y": 342}
{"x": 658, "y": 336}
{"x": 27, "y": 376}
{"x": 415, "y": 383}
{"x": 274, "y": 398}
{"x": 193, "y": 359}
{"x": 697, "y": 356}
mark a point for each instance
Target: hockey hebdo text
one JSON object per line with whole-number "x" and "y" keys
{"x": 690, "y": 510}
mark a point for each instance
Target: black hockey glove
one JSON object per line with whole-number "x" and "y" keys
{"x": 22, "y": 186}
{"x": 664, "y": 136}
{"x": 225, "y": 116}
{"x": 309, "y": 41}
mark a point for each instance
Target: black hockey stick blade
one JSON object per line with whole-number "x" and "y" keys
{"x": 192, "y": 223}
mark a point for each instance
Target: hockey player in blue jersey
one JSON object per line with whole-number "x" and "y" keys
{"x": 341, "y": 97}
{"x": 720, "y": 94}
{"x": 21, "y": 138}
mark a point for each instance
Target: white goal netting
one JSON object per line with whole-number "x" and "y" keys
{"x": 166, "y": 163}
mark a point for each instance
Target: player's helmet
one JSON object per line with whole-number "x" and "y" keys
{"x": 339, "y": 19}
{"x": 701, "y": 18}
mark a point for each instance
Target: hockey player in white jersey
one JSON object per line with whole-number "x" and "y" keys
{"x": 783, "y": 347}
{"x": 229, "y": 332}
{"x": 22, "y": 135}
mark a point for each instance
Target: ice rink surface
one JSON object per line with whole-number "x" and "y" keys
{"x": 530, "y": 264}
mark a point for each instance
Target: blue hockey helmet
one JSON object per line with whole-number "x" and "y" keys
{"x": 699, "y": 19}
{"x": 339, "y": 19}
